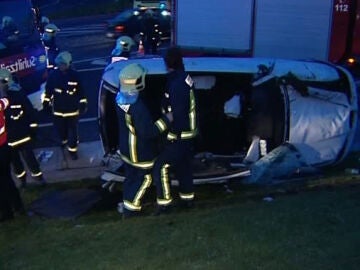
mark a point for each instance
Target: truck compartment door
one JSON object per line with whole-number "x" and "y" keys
{"x": 214, "y": 25}
{"x": 292, "y": 29}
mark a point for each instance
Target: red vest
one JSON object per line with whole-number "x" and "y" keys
{"x": 4, "y": 103}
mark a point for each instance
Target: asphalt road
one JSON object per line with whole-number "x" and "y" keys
{"x": 85, "y": 39}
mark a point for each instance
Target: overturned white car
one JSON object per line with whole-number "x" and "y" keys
{"x": 252, "y": 113}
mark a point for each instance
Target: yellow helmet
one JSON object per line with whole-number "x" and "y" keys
{"x": 5, "y": 76}
{"x": 132, "y": 78}
{"x": 63, "y": 58}
{"x": 126, "y": 43}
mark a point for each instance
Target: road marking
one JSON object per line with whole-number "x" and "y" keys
{"x": 86, "y": 29}
{"x": 88, "y": 60}
{"x": 100, "y": 62}
{"x": 83, "y": 120}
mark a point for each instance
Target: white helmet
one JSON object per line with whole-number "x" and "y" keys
{"x": 45, "y": 20}
{"x": 51, "y": 28}
{"x": 5, "y": 76}
{"x": 63, "y": 58}
{"x": 149, "y": 13}
{"x": 7, "y": 20}
{"x": 125, "y": 42}
{"x": 132, "y": 78}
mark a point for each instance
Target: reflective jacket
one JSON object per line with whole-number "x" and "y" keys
{"x": 4, "y": 103}
{"x": 20, "y": 118}
{"x": 138, "y": 134}
{"x": 64, "y": 91}
{"x": 179, "y": 99}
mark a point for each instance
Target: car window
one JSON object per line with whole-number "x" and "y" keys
{"x": 125, "y": 15}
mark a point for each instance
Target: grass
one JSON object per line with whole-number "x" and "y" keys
{"x": 315, "y": 228}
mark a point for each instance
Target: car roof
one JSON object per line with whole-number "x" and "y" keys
{"x": 304, "y": 70}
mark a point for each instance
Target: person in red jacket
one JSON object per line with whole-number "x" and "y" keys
{"x": 10, "y": 199}
{"x": 21, "y": 124}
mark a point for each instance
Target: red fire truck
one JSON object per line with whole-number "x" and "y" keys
{"x": 23, "y": 53}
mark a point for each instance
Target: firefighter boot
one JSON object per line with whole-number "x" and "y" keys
{"x": 73, "y": 155}
{"x": 162, "y": 210}
{"x": 23, "y": 182}
{"x": 186, "y": 204}
{"x": 40, "y": 179}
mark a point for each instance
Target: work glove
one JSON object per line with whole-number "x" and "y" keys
{"x": 83, "y": 107}
{"x": 33, "y": 133}
{"x": 47, "y": 107}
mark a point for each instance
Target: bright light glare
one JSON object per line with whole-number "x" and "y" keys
{"x": 351, "y": 60}
{"x": 165, "y": 13}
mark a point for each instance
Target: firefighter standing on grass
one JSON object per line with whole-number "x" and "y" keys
{"x": 64, "y": 93}
{"x": 177, "y": 153}
{"x": 21, "y": 127}
{"x": 10, "y": 199}
{"x": 138, "y": 134}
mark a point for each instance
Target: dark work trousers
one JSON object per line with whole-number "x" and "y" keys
{"x": 25, "y": 151}
{"x": 9, "y": 194}
{"x": 67, "y": 128}
{"x": 176, "y": 156}
{"x": 135, "y": 185}
{"x": 150, "y": 44}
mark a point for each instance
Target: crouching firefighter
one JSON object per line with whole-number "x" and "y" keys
{"x": 138, "y": 134}
{"x": 64, "y": 93}
{"x": 177, "y": 154}
{"x": 21, "y": 125}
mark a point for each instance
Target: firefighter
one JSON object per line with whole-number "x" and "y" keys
{"x": 49, "y": 41}
{"x": 21, "y": 127}
{"x": 177, "y": 153}
{"x": 65, "y": 95}
{"x": 10, "y": 199}
{"x": 9, "y": 30}
{"x": 138, "y": 134}
{"x": 150, "y": 32}
{"x": 42, "y": 23}
{"x": 123, "y": 47}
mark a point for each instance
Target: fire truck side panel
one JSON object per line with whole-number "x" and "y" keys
{"x": 25, "y": 58}
{"x": 292, "y": 29}
{"x": 213, "y": 25}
